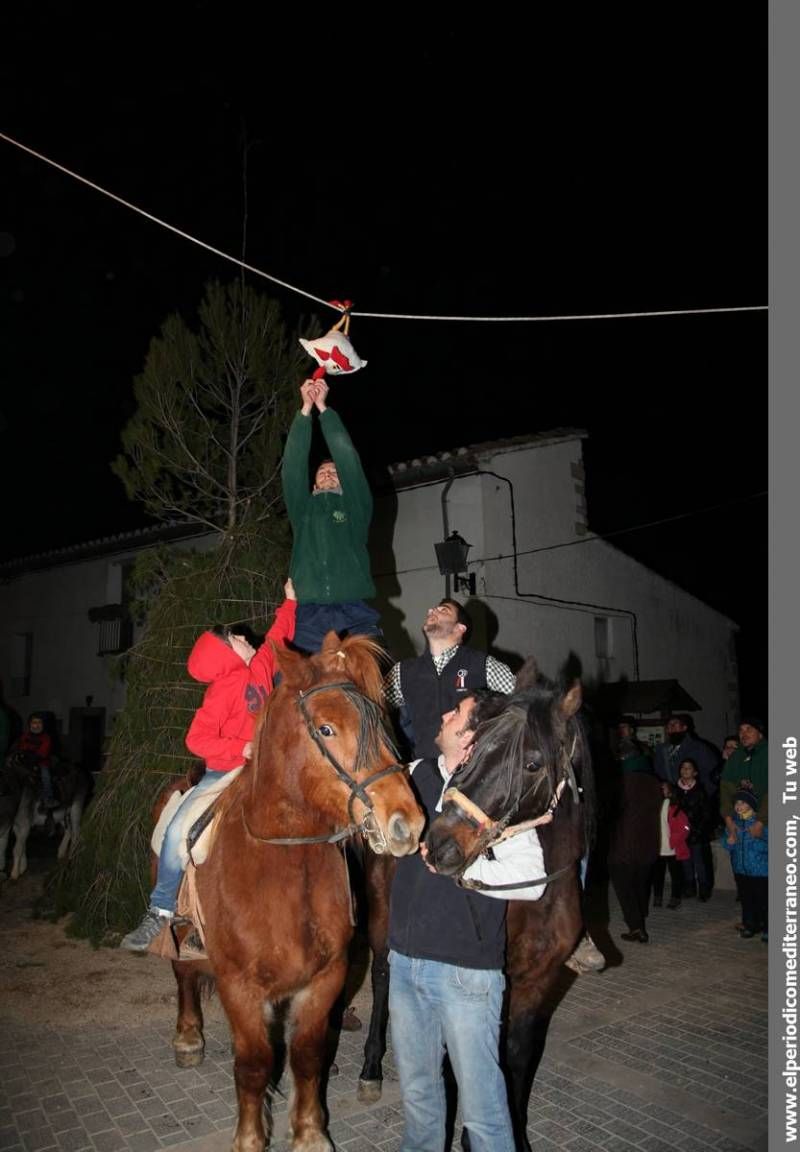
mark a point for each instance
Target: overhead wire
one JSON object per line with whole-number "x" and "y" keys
{"x": 337, "y": 307}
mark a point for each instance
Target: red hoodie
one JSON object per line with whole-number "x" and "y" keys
{"x": 225, "y": 721}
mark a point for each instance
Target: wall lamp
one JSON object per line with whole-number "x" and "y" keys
{"x": 451, "y": 555}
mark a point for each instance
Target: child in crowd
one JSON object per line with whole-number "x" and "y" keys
{"x": 674, "y": 831}
{"x": 749, "y": 860}
{"x": 37, "y": 744}
{"x": 693, "y": 799}
{"x": 239, "y": 680}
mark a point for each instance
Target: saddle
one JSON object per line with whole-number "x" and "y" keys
{"x": 184, "y": 937}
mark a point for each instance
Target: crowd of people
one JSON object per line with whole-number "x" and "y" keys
{"x": 672, "y": 804}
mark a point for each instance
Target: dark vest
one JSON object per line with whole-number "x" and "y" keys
{"x": 430, "y": 917}
{"x": 428, "y": 696}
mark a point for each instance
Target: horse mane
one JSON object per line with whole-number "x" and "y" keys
{"x": 528, "y": 729}
{"x": 354, "y": 659}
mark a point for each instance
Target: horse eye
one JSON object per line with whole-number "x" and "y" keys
{"x": 326, "y": 730}
{"x": 536, "y": 760}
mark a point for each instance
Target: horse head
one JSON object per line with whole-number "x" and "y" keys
{"x": 323, "y": 749}
{"x": 521, "y": 762}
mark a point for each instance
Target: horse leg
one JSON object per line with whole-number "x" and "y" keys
{"x": 5, "y": 832}
{"x": 378, "y": 872}
{"x": 535, "y": 958}
{"x": 188, "y": 1041}
{"x": 23, "y": 822}
{"x": 525, "y": 1041}
{"x": 72, "y": 824}
{"x": 309, "y": 1017}
{"x": 249, "y": 1016}
{"x": 370, "y": 1082}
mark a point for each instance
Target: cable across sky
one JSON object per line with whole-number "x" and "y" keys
{"x": 335, "y": 307}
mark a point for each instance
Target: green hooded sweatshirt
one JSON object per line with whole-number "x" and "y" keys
{"x": 330, "y": 562}
{"x": 744, "y": 765}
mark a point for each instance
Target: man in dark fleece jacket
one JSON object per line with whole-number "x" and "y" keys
{"x": 447, "y": 949}
{"x": 330, "y": 564}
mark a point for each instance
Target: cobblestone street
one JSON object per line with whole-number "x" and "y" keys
{"x": 655, "y": 1054}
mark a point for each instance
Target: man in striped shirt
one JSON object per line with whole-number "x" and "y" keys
{"x": 424, "y": 687}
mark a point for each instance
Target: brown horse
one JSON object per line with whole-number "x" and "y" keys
{"x": 530, "y": 757}
{"x": 274, "y": 893}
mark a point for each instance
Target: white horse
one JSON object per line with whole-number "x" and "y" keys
{"x": 29, "y": 812}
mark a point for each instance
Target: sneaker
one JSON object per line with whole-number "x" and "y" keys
{"x": 673, "y": 902}
{"x": 140, "y": 939}
{"x": 587, "y": 957}
{"x": 746, "y": 933}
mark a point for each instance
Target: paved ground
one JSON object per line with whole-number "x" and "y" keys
{"x": 665, "y": 1050}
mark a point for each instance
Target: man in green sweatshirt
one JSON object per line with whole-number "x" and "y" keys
{"x": 330, "y": 564}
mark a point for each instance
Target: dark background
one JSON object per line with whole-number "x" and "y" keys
{"x": 581, "y": 161}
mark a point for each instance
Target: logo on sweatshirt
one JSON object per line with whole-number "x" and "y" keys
{"x": 339, "y": 516}
{"x": 461, "y": 680}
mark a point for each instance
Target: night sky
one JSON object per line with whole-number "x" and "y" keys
{"x": 588, "y": 161}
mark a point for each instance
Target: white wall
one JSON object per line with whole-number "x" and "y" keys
{"x": 679, "y": 637}
{"x": 53, "y": 605}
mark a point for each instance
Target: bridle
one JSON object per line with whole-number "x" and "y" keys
{"x": 370, "y": 718}
{"x": 493, "y": 832}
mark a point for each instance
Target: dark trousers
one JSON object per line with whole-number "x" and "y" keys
{"x": 314, "y": 621}
{"x": 675, "y": 877}
{"x": 632, "y": 886}
{"x": 696, "y": 871}
{"x": 754, "y": 891}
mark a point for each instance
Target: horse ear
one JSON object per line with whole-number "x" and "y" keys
{"x": 294, "y": 667}
{"x": 572, "y": 699}
{"x": 527, "y": 675}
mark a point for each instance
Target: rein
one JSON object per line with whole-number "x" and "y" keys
{"x": 358, "y": 791}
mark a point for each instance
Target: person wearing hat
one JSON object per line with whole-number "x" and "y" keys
{"x": 747, "y": 767}
{"x": 681, "y": 742}
{"x": 749, "y": 853}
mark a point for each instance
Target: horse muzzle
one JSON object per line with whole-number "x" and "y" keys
{"x": 444, "y": 852}
{"x": 398, "y": 836}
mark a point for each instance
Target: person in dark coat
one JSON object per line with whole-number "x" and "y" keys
{"x": 682, "y": 743}
{"x": 692, "y": 798}
{"x": 635, "y": 838}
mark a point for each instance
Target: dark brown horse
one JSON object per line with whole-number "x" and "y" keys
{"x": 530, "y": 759}
{"x": 274, "y": 893}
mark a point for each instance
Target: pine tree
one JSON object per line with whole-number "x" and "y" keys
{"x": 204, "y": 445}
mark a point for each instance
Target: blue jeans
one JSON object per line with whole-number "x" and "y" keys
{"x": 433, "y": 1006}
{"x": 170, "y": 869}
{"x": 355, "y": 617}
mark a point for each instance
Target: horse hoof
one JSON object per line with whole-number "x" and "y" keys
{"x": 189, "y": 1058}
{"x": 369, "y": 1091}
{"x": 190, "y": 1048}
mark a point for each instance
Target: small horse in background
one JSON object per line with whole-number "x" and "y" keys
{"x": 276, "y": 905}
{"x": 530, "y": 759}
{"x": 21, "y": 807}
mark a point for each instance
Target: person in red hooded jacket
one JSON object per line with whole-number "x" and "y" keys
{"x": 239, "y": 679}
